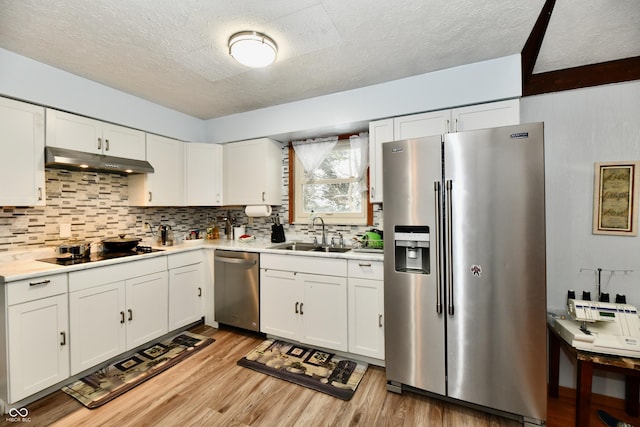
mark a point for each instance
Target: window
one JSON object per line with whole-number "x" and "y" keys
{"x": 332, "y": 190}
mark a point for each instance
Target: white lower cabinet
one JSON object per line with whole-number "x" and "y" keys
{"x": 37, "y": 338}
{"x": 186, "y": 288}
{"x": 366, "y": 308}
{"x": 107, "y": 319}
{"x": 299, "y": 301}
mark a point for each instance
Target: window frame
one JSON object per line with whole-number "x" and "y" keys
{"x": 295, "y": 186}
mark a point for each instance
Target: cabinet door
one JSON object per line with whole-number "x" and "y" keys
{"x": 253, "y": 173}
{"x": 204, "y": 174}
{"x": 21, "y": 154}
{"x": 380, "y": 131}
{"x": 280, "y": 299}
{"x": 419, "y": 125}
{"x": 147, "y": 308}
{"x": 98, "y": 325}
{"x": 74, "y": 132}
{"x": 164, "y": 187}
{"x": 186, "y": 287}
{"x": 324, "y": 311}
{"x": 366, "y": 321}
{"x": 120, "y": 141}
{"x": 38, "y": 345}
{"x": 483, "y": 116}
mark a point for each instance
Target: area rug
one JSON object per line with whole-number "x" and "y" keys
{"x": 315, "y": 369}
{"x": 111, "y": 381}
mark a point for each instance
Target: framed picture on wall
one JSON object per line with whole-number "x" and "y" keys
{"x": 615, "y": 204}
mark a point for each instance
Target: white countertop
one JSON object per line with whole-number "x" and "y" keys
{"x": 24, "y": 264}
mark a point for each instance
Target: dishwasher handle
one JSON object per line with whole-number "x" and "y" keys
{"x": 236, "y": 260}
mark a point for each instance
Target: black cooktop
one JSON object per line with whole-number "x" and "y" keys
{"x": 100, "y": 256}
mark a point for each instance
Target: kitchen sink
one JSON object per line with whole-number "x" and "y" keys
{"x": 330, "y": 249}
{"x": 295, "y": 246}
{"x": 300, "y": 246}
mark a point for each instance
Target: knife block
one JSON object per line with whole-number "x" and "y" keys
{"x": 277, "y": 233}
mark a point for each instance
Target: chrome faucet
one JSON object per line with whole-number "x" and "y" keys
{"x": 324, "y": 232}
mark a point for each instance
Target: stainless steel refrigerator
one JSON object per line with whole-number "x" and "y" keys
{"x": 464, "y": 268}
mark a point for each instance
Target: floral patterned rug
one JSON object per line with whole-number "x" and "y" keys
{"x": 315, "y": 369}
{"x": 111, "y": 381}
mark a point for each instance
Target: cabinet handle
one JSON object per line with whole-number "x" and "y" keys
{"x": 99, "y": 143}
{"x": 63, "y": 336}
{"x": 297, "y": 307}
{"x": 199, "y": 292}
{"x": 44, "y": 282}
{"x": 446, "y": 128}
{"x": 456, "y": 125}
{"x": 39, "y": 193}
{"x": 380, "y": 320}
{"x": 122, "y": 317}
{"x": 364, "y": 264}
{"x": 301, "y": 304}
{"x": 106, "y": 145}
{"x": 130, "y": 315}
{"x": 150, "y": 196}
{"x": 373, "y": 192}
{"x": 263, "y": 196}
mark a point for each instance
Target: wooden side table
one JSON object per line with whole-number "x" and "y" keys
{"x": 587, "y": 361}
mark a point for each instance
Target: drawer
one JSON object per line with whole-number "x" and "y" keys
{"x": 305, "y": 264}
{"x": 185, "y": 258}
{"x": 32, "y": 289}
{"x": 366, "y": 269}
{"x": 97, "y": 276}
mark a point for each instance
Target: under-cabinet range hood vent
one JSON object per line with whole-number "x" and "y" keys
{"x": 63, "y": 158}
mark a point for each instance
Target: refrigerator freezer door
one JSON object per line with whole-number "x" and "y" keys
{"x": 496, "y": 342}
{"x": 414, "y": 337}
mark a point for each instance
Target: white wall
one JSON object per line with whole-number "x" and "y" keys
{"x": 352, "y": 110}
{"x": 35, "y": 82}
{"x": 583, "y": 127}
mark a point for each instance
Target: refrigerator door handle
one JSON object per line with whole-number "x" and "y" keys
{"x": 438, "y": 207}
{"x": 449, "y": 266}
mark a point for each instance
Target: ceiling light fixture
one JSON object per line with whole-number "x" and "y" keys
{"x": 253, "y": 49}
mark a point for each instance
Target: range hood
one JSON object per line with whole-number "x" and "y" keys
{"x": 62, "y": 158}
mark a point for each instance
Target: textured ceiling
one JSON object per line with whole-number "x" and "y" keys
{"x": 174, "y": 52}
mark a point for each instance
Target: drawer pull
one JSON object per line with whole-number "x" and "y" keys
{"x": 364, "y": 264}
{"x": 44, "y": 282}
{"x": 199, "y": 292}
{"x": 301, "y": 304}
{"x": 297, "y": 307}
{"x": 122, "y": 317}
{"x": 130, "y": 315}
{"x": 63, "y": 336}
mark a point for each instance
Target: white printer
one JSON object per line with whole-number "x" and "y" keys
{"x": 601, "y": 327}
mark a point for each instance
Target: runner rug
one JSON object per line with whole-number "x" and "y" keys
{"x": 315, "y": 369}
{"x": 111, "y": 381}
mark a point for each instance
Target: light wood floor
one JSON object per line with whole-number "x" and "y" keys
{"x": 209, "y": 389}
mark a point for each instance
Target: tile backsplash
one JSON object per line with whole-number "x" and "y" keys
{"x": 96, "y": 205}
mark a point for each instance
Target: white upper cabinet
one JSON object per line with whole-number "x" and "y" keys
{"x": 483, "y": 116}
{"x": 204, "y": 174}
{"x": 253, "y": 172}
{"x": 419, "y": 125}
{"x": 79, "y": 133}
{"x": 494, "y": 114}
{"x": 21, "y": 154}
{"x": 166, "y": 186}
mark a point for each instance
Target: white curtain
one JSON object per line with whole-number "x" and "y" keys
{"x": 312, "y": 152}
{"x": 360, "y": 159}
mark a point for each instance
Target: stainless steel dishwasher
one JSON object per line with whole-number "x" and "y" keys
{"x": 237, "y": 289}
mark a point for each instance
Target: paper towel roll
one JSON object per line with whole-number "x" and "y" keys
{"x": 258, "y": 210}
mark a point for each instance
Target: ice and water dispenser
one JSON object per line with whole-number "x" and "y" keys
{"x": 411, "y": 246}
